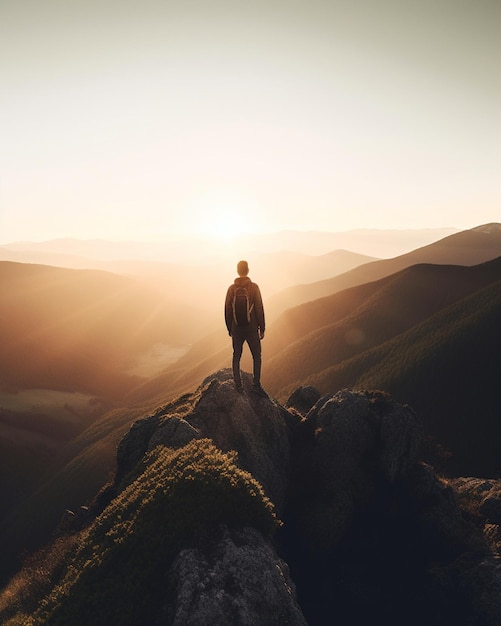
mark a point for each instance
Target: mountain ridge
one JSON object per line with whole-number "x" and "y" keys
{"x": 385, "y": 308}
{"x": 469, "y": 247}
{"x": 363, "y": 241}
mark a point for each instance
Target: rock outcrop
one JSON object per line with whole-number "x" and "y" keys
{"x": 303, "y": 399}
{"x": 368, "y": 528}
{"x": 252, "y": 425}
{"x": 377, "y": 531}
{"x": 357, "y": 441}
{"x": 236, "y": 578}
{"x": 369, "y": 533}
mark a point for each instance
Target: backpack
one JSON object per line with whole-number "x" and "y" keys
{"x": 242, "y": 307}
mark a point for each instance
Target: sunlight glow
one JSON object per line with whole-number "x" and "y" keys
{"x": 225, "y": 214}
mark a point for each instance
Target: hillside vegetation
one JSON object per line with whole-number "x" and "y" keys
{"x": 319, "y": 334}
{"x": 109, "y": 577}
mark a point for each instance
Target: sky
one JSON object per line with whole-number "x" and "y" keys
{"x": 147, "y": 119}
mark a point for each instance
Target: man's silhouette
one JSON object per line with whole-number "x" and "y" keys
{"x": 244, "y": 316}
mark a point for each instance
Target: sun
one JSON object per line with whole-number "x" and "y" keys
{"x": 227, "y": 225}
{"x": 226, "y": 215}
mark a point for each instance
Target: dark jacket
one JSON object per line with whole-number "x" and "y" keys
{"x": 257, "y": 313}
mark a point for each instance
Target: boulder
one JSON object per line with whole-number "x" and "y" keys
{"x": 235, "y": 578}
{"x": 174, "y": 432}
{"x": 438, "y": 522}
{"x": 134, "y": 444}
{"x": 358, "y": 441}
{"x": 484, "y": 494}
{"x": 303, "y": 399}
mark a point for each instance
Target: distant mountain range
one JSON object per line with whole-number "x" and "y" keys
{"x": 465, "y": 248}
{"x": 186, "y": 249}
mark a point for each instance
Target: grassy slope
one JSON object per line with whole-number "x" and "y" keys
{"x": 329, "y": 331}
{"x": 116, "y": 573}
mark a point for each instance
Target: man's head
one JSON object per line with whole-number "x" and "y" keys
{"x": 242, "y": 268}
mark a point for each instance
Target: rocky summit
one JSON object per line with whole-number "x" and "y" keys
{"x": 228, "y": 508}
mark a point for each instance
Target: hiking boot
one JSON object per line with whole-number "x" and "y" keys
{"x": 257, "y": 389}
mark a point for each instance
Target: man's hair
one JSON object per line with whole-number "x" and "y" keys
{"x": 242, "y": 268}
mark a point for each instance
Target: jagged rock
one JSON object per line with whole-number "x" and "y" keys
{"x": 485, "y": 493}
{"x": 477, "y": 585}
{"x": 134, "y": 444}
{"x": 481, "y": 498}
{"x": 465, "y": 570}
{"x": 491, "y": 509}
{"x": 235, "y": 579}
{"x": 303, "y": 399}
{"x": 435, "y": 510}
{"x": 358, "y": 439}
{"x": 252, "y": 425}
{"x": 371, "y": 534}
{"x": 365, "y": 509}
{"x": 174, "y": 432}
{"x": 479, "y": 487}
{"x": 492, "y": 534}
{"x": 355, "y": 424}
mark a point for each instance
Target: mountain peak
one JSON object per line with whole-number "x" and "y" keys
{"x": 494, "y": 228}
{"x": 246, "y": 422}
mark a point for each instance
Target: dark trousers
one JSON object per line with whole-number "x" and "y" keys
{"x": 250, "y": 335}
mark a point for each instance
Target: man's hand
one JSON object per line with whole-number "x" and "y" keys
{"x": 261, "y": 334}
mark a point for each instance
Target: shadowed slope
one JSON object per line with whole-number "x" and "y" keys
{"x": 317, "y": 335}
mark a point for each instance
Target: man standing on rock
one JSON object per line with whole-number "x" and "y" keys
{"x": 244, "y": 316}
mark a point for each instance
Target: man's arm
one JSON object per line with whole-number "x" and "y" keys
{"x": 228, "y": 309}
{"x": 259, "y": 309}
